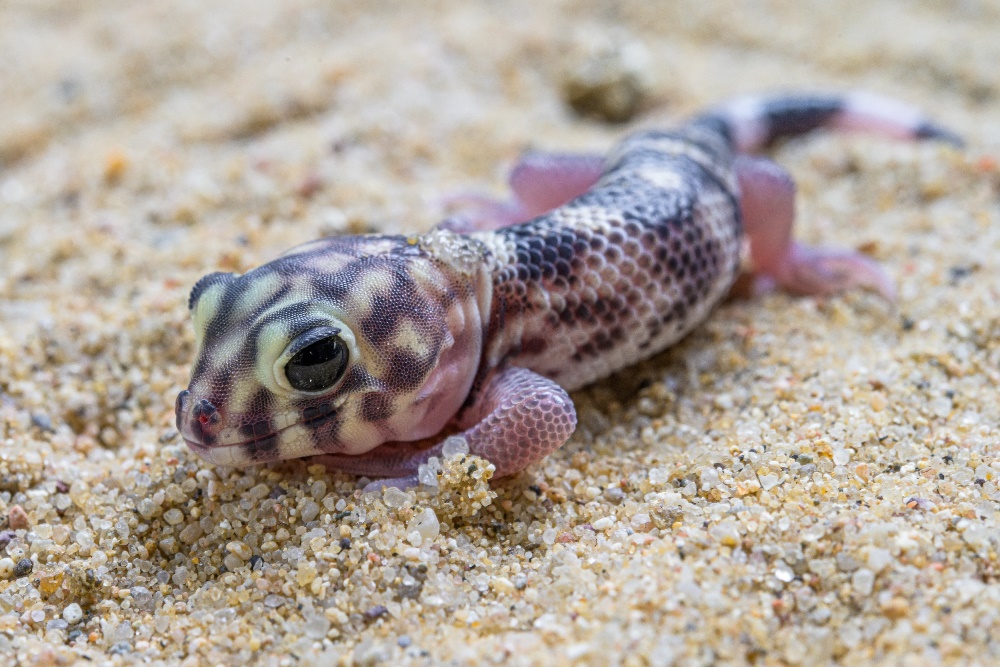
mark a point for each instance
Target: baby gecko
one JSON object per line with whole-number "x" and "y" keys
{"x": 365, "y": 350}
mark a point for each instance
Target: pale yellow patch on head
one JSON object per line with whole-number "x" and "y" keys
{"x": 369, "y": 284}
{"x": 296, "y": 441}
{"x": 328, "y": 262}
{"x": 360, "y": 435}
{"x": 241, "y": 393}
{"x": 271, "y": 343}
{"x": 285, "y": 419}
{"x": 261, "y": 289}
{"x": 223, "y": 350}
{"x": 409, "y": 338}
{"x": 205, "y": 310}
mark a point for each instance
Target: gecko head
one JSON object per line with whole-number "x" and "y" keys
{"x": 326, "y": 350}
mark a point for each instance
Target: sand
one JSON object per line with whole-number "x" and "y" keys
{"x": 802, "y": 481}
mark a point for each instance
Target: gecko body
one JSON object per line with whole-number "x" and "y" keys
{"x": 365, "y": 349}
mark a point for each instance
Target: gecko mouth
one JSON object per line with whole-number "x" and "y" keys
{"x": 249, "y": 452}
{"x": 263, "y": 447}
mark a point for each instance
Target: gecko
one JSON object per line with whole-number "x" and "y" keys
{"x": 365, "y": 351}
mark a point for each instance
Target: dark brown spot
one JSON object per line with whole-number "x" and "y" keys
{"x": 265, "y": 449}
{"x": 376, "y": 407}
{"x": 257, "y": 429}
{"x": 407, "y": 371}
{"x": 534, "y": 345}
{"x": 315, "y": 416}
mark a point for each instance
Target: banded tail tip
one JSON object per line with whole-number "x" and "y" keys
{"x": 757, "y": 122}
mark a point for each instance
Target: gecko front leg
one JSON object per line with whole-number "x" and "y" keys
{"x": 517, "y": 418}
{"x": 539, "y": 182}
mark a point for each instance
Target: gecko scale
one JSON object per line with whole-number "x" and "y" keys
{"x": 364, "y": 349}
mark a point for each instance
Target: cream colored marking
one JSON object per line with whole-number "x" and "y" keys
{"x": 226, "y": 456}
{"x": 282, "y": 420}
{"x": 272, "y": 340}
{"x": 224, "y": 350}
{"x": 666, "y": 146}
{"x": 668, "y": 179}
{"x": 296, "y": 441}
{"x": 589, "y": 217}
{"x": 409, "y": 338}
{"x": 745, "y": 117}
{"x": 242, "y": 393}
{"x": 362, "y": 436}
{"x": 369, "y": 284}
{"x": 460, "y": 252}
{"x": 328, "y": 262}
{"x": 261, "y": 289}
{"x": 205, "y": 310}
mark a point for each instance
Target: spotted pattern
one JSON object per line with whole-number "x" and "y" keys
{"x": 484, "y": 333}
{"x": 622, "y": 271}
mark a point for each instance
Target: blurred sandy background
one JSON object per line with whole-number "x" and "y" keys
{"x": 800, "y": 482}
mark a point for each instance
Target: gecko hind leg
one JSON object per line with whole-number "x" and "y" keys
{"x": 539, "y": 183}
{"x": 517, "y": 418}
{"x": 767, "y": 203}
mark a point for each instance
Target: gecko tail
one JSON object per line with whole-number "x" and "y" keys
{"x": 757, "y": 122}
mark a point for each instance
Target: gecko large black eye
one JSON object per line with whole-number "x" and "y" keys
{"x": 319, "y": 365}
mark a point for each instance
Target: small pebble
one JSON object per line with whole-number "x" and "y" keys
{"x": 6, "y": 537}
{"x": 896, "y": 608}
{"x": 73, "y": 613}
{"x": 393, "y": 497}
{"x": 173, "y": 516}
{"x": 57, "y": 624}
{"x": 376, "y": 612}
{"x": 863, "y": 580}
{"x": 23, "y": 568}
{"x": 603, "y": 523}
{"x": 240, "y": 550}
{"x": 426, "y": 524}
{"x": 878, "y": 559}
{"x": 17, "y": 518}
{"x": 614, "y": 494}
{"x": 454, "y": 445}
{"x": 42, "y": 421}
{"x": 120, "y": 648}
{"x": 611, "y": 81}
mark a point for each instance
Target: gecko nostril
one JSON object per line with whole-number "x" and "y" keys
{"x": 205, "y": 412}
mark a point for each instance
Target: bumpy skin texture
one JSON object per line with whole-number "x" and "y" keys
{"x": 481, "y": 326}
{"x": 581, "y": 292}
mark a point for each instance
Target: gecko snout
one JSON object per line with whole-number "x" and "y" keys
{"x": 198, "y": 419}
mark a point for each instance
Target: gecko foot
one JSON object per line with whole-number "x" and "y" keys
{"x": 517, "y": 418}
{"x": 768, "y": 206}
